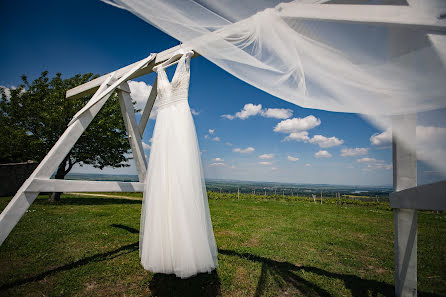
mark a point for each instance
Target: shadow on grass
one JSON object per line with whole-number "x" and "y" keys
{"x": 126, "y": 249}
{"x": 162, "y": 285}
{"x": 287, "y": 272}
{"x": 204, "y": 284}
{"x": 74, "y": 200}
{"x": 126, "y": 228}
{"x": 201, "y": 285}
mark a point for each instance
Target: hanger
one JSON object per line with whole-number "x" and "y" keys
{"x": 174, "y": 59}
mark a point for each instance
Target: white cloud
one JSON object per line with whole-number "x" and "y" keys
{"x": 211, "y": 131}
{"x": 265, "y": 163}
{"x": 228, "y": 116}
{"x": 145, "y": 146}
{"x": 277, "y": 113}
{"x": 326, "y": 142}
{"x": 322, "y": 141}
{"x": 247, "y": 111}
{"x": 359, "y": 151}
{"x": 373, "y": 164}
{"x": 194, "y": 112}
{"x": 206, "y": 136}
{"x": 297, "y": 124}
{"x": 380, "y": 165}
{"x": 7, "y": 91}
{"x": 381, "y": 139}
{"x": 428, "y": 134}
{"x": 323, "y": 154}
{"x": 228, "y": 144}
{"x": 308, "y": 165}
{"x": 274, "y": 168}
{"x": 139, "y": 91}
{"x": 250, "y": 110}
{"x": 431, "y": 146}
{"x": 367, "y": 160}
{"x": 266, "y": 156}
{"x": 218, "y": 160}
{"x": 216, "y": 164}
{"x": 292, "y": 159}
{"x": 298, "y": 136}
{"x": 247, "y": 150}
{"x": 216, "y": 138}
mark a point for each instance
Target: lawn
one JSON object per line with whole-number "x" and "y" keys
{"x": 88, "y": 246}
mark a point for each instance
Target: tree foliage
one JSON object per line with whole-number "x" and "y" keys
{"x": 34, "y": 116}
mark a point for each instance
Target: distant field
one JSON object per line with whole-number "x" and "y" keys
{"x": 88, "y": 246}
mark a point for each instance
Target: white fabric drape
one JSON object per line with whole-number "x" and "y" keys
{"x": 325, "y": 65}
{"x": 371, "y": 69}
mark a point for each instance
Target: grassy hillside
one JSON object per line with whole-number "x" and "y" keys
{"x": 88, "y": 246}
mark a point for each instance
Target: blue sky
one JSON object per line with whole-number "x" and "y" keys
{"x": 89, "y": 36}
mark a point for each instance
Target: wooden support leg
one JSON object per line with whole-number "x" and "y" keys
{"x": 148, "y": 108}
{"x": 128, "y": 115}
{"x": 405, "y": 220}
{"x": 24, "y": 198}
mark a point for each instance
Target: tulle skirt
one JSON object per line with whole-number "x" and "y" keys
{"x": 176, "y": 231}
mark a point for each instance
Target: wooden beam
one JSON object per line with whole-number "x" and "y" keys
{"x": 148, "y": 108}
{"x": 22, "y": 200}
{"x": 431, "y": 197}
{"x": 128, "y": 115}
{"x": 405, "y": 220}
{"x": 91, "y": 86}
{"x": 396, "y": 15}
{"x": 62, "y": 185}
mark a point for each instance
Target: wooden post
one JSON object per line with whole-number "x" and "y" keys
{"x": 133, "y": 132}
{"x": 321, "y": 197}
{"x": 405, "y": 220}
{"x": 24, "y": 196}
{"x": 148, "y": 108}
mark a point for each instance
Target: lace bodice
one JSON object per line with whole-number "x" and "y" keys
{"x": 177, "y": 89}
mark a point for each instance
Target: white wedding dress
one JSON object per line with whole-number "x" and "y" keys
{"x": 176, "y": 231}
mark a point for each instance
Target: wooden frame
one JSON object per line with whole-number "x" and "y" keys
{"x": 406, "y": 199}
{"x": 40, "y": 180}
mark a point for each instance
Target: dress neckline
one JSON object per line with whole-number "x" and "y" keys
{"x": 162, "y": 70}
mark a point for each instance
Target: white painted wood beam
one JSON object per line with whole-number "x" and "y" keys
{"x": 91, "y": 86}
{"x": 405, "y": 220}
{"x": 397, "y": 15}
{"x": 110, "y": 88}
{"x": 128, "y": 115}
{"x": 148, "y": 108}
{"x": 15, "y": 209}
{"x": 430, "y": 196}
{"x": 62, "y": 185}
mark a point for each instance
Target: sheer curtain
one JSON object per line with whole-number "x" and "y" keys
{"x": 372, "y": 69}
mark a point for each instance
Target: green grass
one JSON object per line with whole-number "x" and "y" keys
{"x": 89, "y": 247}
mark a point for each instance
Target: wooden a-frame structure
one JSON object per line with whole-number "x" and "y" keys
{"x": 405, "y": 201}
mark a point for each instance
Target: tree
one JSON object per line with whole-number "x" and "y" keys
{"x": 34, "y": 116}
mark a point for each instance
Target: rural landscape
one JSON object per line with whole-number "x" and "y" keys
{"x": 273, "y": 245}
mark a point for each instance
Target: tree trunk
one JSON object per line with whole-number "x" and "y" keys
{"x": 60, "y": 174}
{"x": 55, "y": 196}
